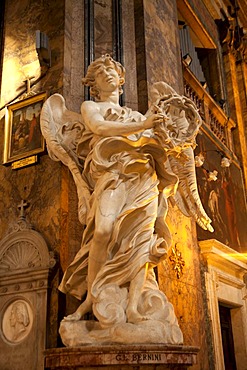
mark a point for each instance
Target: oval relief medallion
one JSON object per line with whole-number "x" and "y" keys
{"x": 17, "y": 321}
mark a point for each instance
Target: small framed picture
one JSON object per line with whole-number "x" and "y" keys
{"x": 23, "y": 137}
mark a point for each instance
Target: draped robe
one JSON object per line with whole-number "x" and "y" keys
{"x": 140, "y": 234}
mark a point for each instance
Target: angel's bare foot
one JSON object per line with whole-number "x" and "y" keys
{"x": 134, "y": 316}
{"x": 84, "y": 308}
{"x": 76, "y": 316}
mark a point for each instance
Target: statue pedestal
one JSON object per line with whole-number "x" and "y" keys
{"x": 176, "y": 357}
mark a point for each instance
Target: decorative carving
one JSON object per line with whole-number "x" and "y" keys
{"x": 177, "y": 260}
{"x": 52, "y": 259}
{"x": 22, "y": 207}
{"x": 226, "y": 29}
{"x": 19, "y": 225}
{"x": 125, "y": 166}
{"x": 20, "y": 255}
{"x": 28, "y": 93}
{"x": 17, "y": 321}
{"x": 232, "y": 36}
{"x": 24, "y": 269}
{"x": 23, "y": 247}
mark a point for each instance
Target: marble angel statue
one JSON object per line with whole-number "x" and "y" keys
{"x": 125, "y": 166}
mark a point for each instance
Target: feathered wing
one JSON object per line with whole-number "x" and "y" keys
{"x": 62, "y": 130}
{"x": 177, "y": 134}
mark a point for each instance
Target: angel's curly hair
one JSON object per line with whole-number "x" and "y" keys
{"x": 89, "y": 79}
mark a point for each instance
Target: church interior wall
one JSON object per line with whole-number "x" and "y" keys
{"x": 41, "y": 185}
{"x": 150, "y": 53}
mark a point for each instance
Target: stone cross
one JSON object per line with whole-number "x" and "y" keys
{"x": 22, "y": 207}
{"x": 28, "y": 84}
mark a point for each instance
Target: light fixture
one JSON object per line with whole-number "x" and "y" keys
{"x": 187, "y": 59}
{"x": 43, "y": 49}
{"x": 212, "y": 175}
{"x": 225, "y": 162}
{"x": 199, "y": 160}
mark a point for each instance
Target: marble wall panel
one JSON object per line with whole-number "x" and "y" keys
{"x": 207, "y": 20}
{"x": 157, "y": 47}
{"x": 187, "y": 292}
{"x": 162, "y": 43}
{"x": 103, "y": 27}
{"x": 73, "y": 90}
{"x": 129, "y": 55}
{"x": 20, "y": 60}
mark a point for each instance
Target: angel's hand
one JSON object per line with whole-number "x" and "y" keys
{"x": 153, "y": 120}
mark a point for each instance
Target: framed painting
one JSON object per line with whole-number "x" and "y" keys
{"x": 23, "y": 137}
{"x": 223, "y": 198}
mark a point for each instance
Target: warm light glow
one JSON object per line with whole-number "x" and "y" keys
{"x": 16, "y": 69}
{"x": 225, "y": 162}
{"x": 199, "y": 160}
{"x": 212, "y": 176}
{"x": 237, "y": 255}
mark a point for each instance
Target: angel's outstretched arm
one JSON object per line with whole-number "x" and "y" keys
{"x": 103, "y": 126}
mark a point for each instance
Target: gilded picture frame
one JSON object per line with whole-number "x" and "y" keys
{"x": 23, "y": 137}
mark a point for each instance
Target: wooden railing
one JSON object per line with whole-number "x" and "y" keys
{"x": 212, "y": 114}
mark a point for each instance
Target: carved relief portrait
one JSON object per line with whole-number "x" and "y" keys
{"x": 17, "y": 321}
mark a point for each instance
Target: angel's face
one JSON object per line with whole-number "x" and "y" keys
{"x": 107, "y": 79}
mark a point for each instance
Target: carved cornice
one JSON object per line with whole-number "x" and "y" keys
{"x": 224, "y": 258}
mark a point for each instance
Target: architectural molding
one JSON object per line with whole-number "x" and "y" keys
{"x": 224, "y": 278}
{"x": 24, "y": 269}
{"x": 23, "y": 248}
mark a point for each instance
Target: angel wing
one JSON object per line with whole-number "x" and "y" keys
{"x": 62, "y": 130}
{"x": 181, "y": 125}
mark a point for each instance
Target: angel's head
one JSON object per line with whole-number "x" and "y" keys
{"x": 103, "y": 66}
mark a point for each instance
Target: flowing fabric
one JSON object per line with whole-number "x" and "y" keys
{"x": 139, "y": 163}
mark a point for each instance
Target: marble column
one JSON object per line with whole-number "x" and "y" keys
{"x": 157, "y": 46}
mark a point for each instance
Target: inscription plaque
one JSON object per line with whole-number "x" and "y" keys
{"x": 139, "y": 358}
{"x": 114, "y": 354}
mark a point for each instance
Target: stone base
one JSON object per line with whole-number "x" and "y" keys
{"x": 147, "y": 357}
{"x": 82, "y": 332}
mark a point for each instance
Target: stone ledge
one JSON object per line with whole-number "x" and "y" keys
{"x": 112, "y": 355}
